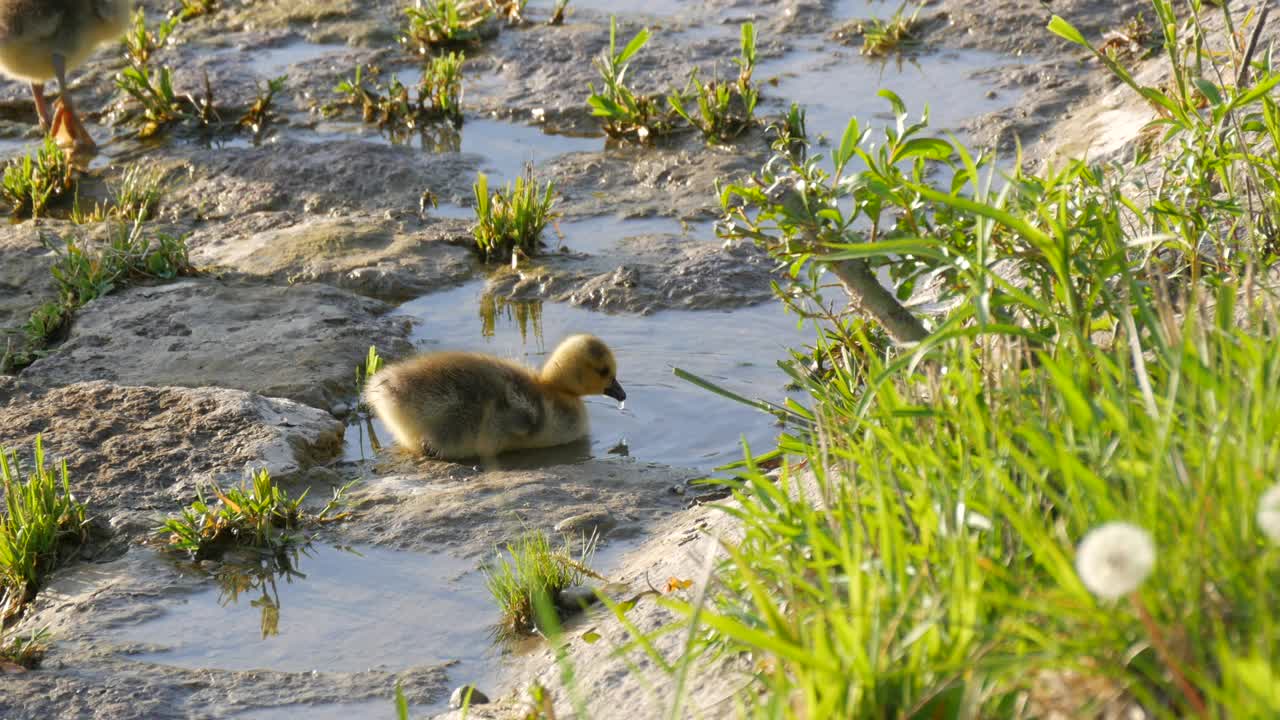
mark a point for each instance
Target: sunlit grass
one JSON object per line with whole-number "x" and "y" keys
{"x": 533, "y": 572}
{"x": 42, "y": 521}
{"x": 511, "y": 220}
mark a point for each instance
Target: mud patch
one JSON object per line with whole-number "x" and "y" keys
{"x": 300, "y": 342}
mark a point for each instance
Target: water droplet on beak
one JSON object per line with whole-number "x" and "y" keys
{"x": 622, "y": 404}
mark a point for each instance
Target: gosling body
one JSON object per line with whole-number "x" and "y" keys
{"x": 41, "y": 40}
{"x": 463, "y": 405}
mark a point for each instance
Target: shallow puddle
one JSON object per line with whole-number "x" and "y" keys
{"x": 665, "y": 419}
{"x": 599, "y": 235}
{"x": 506, "y": 147}
{"x": 835, "y": 86}
{"x": 341, "y": 610}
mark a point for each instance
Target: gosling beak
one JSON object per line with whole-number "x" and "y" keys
{"x": 615, "y": 391}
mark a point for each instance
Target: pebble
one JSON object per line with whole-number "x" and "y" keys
{"x": 460, "y": 694}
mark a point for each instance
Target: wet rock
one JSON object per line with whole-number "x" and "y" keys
{"x": 25, "y": 281}
{"x": 365, "y": 254}
{"x": 143, "y": 448}
{"x": 468, "y": 694}
{"x": 640, "y": 181}
{"x": 588, "y": 523}
{"x": 647, "y": 274}
{"x": 300, "y": 342}
{"x": 314, "y": 177}
{"x": 421, "y": 508}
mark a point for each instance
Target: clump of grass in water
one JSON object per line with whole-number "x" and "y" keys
{"x": 258, "y": 515}
{"x": 23, "y": 652}
{"x": 723, "y": 110}
{"x": 433, "y": 23}
{"x": 197, "y": 8}
{"x": 534, "y": 574}
{"x": 881, "y": 37}
{"x": 511, "y": 220}
{"x": 391, "y": 108}
{"x": 259, "y": 115}
{"x": 30, "y": 184}
{"x": 152, "y": 89}
{"x": 42, "y": 522}
{"x": 626, "y": 114}
{"x": 558, "y": 12}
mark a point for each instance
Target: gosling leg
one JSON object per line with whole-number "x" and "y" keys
{"x": 42, "y": 106}
{"x": 66, "y": 116}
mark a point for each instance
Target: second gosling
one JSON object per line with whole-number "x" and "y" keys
{"x": 456, "y": 405}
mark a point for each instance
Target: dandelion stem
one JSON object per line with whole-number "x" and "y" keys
{"x": 1166, "y": 655}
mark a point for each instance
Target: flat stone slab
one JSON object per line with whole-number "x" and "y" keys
{"x": 366, "y": 254}
{"x": 646, "y": 274}
{"x": 147, "y": 448}
{"x": 25, "y": 280}
{"x": 468, "y": 512}
{"x": 301, "y": 342}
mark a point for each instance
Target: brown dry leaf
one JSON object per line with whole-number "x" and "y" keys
{"x": 11, "y": 668}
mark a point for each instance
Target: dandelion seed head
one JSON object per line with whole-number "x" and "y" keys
{"x": 1113, "y": 559}
{"x": 1269, "y": 513}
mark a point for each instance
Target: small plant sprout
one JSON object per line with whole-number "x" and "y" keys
{"x": 1114, "y": 559}
{"x": 881, "y": 37}
{"x": 1269, "y": 513}
{"x": 42, "y": 521}
{"x": 723, "y": 110}
{"x": 30, "y": 184}
{"x": 557, "y": 13}
{"x": 197, "y": 8}
{"x": 370, "y": 367}
{"x": 533, "y": 572}
{"x": 510, "y": 221}
{"x": 259, "y": 115}
{"x": 19, "y": 653}
{"x": 512, "y": 10}
{"x": 627, "y": 115}
{"x": 140, "y": 43}
{"x": 433, "y": 23}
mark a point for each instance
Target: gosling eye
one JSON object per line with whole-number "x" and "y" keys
{"x": 604, "y": 372}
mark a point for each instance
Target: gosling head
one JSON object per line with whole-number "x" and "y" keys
{"x": 584, "y": 365}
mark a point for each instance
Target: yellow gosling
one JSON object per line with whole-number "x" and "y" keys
{"x": 465, "y": 405}
{"x": 41, "y": 40}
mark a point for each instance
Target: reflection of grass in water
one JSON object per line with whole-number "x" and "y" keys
{"x": 527, "y": 315}
{"x": 235, "y": 579}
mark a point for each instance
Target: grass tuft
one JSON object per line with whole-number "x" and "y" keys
{"x": 133, "y": 200}
{"x": 42, "y": 521}
{"x": 259, "y": 514}
{"x": 626, "y": 114}
{"x": 259, "y": 115}
{"x": 881, "y": 37}
{"x": 142, "y": 42}
{"x": 20, "y": 653}
{"x": 533, "y": 572}
{"x": 558, "y": 13}
{"x": 435, "y": 23}
{"x": 30, "y": 184}
{"x": 510, "y": 221}
{"x": 391, "y": 107}
{"x": 722, "y": 110}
